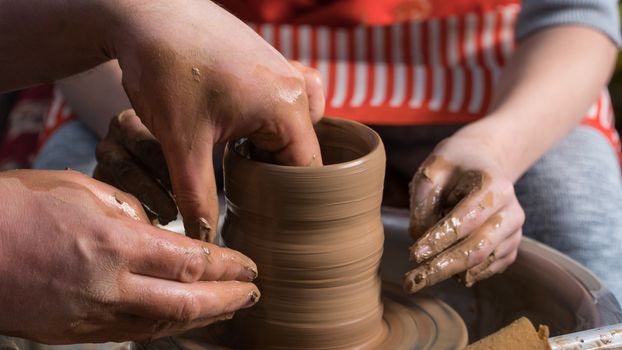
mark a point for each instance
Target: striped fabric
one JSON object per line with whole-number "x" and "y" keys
{"x": 435, "y": 71}
{"x": 437, "y": 65}
{"x": 58, "y": 114}
{"x": 439, "y": 70}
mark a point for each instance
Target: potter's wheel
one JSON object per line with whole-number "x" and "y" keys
{"x": 413, "y": 323}
{"x": 542, "y": 284}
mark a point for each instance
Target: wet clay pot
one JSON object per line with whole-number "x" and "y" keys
{"x": 316, "y": 235}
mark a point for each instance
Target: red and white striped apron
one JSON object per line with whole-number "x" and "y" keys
{"x": 402, "y": 62}
{"x": 395, "y": 62}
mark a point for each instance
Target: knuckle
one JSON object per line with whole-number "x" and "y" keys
{"x": 73, "y": 176}
{"x": 105, "y": 298}
{"x": 479, "y": 256}
{"x": 315, "y": 75}
{"x": 189, "y": 198}
{"x": 187, "y": 309}
{"x": 293, "y": 89}
{"x": 192, "y": 269}
{"x": 315, "y": 72}
{"x": 131, "y": 200}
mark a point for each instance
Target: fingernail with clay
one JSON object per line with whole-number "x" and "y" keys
{"x": 469, "y": 279}
{"x": 415, "y": 280}
{"x": 251, "y": 272}
{"x": 201, "y": 230}
{"x": 249, "y": 267}
{"x": 204, "y": 230}
{"x": 253, "y": 298}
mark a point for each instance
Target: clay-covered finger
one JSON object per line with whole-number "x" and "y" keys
{"x": 118, "y": 168}
{"x": 464, "y": 255}
{"x": 194, "y": 186}
{"x": 292, "y": 139}
{"x": 426, "y": 190}
{"x": 505, "y": 253}
{"x": 165, "y": 300}
{"x": 163, "y": 254}
{"x": 128, "y": 130}
{"x": 289, "y": 134}
{"x": 477, "y": 202}
{"x": 315, "y": 90}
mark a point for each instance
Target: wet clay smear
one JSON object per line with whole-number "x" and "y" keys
{"x": 519, "y": 335}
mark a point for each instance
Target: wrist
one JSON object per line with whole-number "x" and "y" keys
{"x": 498, "y": 143}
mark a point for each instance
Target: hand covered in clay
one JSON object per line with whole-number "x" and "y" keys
{"x": 131, "y": 158}
{"x": 196, "y": 76}
{"x": 80, "y": 262}
{"x": 465, "y": 216}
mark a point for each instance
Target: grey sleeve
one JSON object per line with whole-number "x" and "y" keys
{"x": 601, "y": 15}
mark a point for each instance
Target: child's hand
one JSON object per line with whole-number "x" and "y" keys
{"x": 464, "y": 215}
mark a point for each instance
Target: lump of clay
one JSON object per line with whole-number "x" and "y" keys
{"x": 519, "y": 335}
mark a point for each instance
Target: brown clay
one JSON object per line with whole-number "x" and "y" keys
{"x": 316, "y": 236}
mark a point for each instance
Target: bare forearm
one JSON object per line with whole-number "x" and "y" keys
{"x": 43, "y": 40}
{"x": 547, "y": 87}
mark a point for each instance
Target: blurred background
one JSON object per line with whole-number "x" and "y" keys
{"x": 615, "y": 87}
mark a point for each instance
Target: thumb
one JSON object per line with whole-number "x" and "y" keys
{"x": 194, "y": 186}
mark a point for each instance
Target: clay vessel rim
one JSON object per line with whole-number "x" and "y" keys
{"x": 373, "y": 153}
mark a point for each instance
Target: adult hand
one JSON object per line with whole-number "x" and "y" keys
{"x": 464, "y": 214}
{"x": 131, "y": 159}
{"x": 80, "y": 263}
{"x": 197, "y": 76}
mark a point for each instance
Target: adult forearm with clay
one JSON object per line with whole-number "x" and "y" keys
{"x": 191, "y": 85}
{"x": 464, "y": 211}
